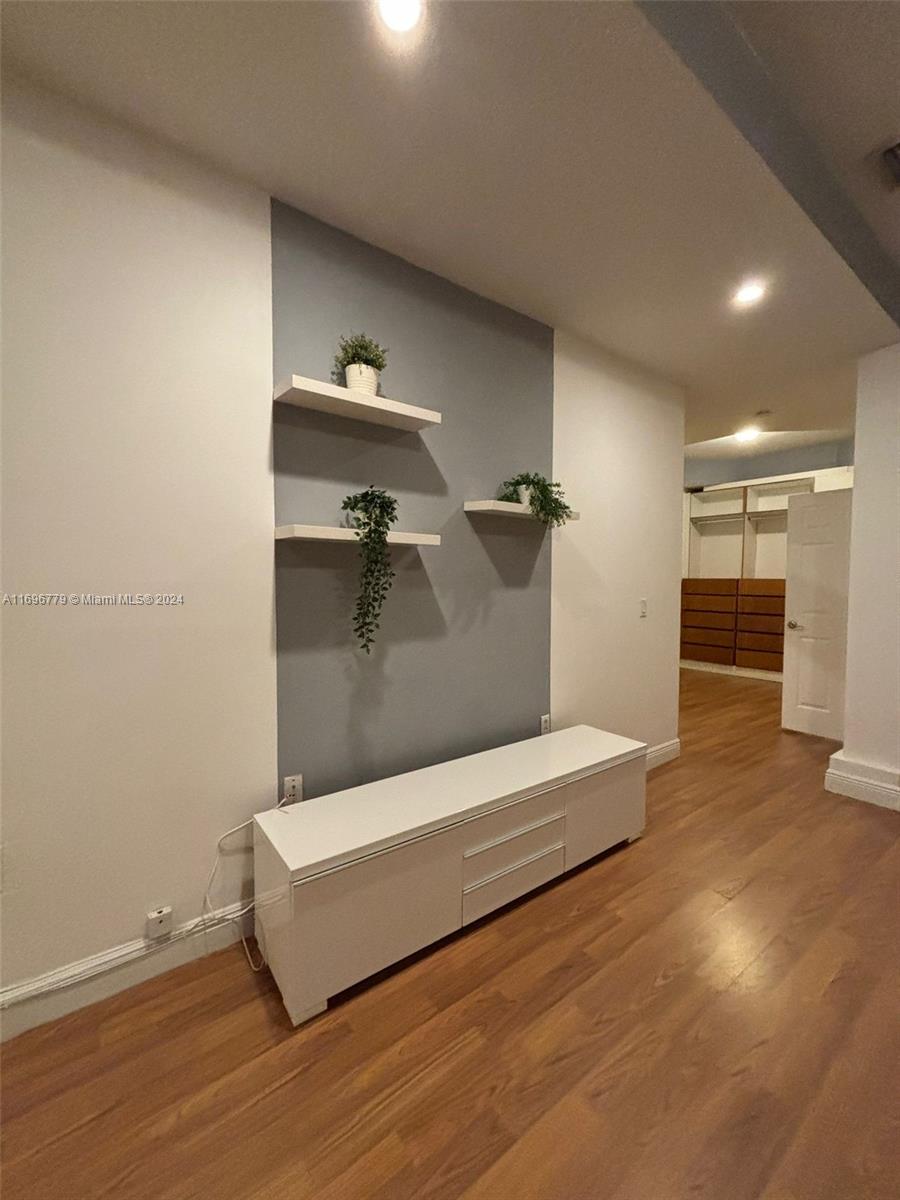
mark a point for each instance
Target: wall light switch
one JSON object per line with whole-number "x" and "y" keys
{"x": 643, "y": 606}
{"x": 545, "y": 723}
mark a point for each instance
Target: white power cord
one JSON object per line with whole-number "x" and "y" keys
{"x": 236, "y": 918}
{"x": 201, "y": 922}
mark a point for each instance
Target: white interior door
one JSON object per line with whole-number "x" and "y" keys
{"x": 815, "y": 635}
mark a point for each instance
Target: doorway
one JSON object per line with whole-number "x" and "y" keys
{"x": 764, "y": 587}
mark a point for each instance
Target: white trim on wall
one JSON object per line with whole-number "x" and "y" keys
{"x": 862, "y": 781}
{"x": 33, "y": 1001}
{"x": 689, "y": 664}
{"x": 663, "y": 753}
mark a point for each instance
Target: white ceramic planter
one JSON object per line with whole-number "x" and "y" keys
{"x": 525, "y": 497}
{"x": 361, "y": 378}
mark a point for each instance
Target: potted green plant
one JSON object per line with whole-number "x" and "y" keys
{"x": 373, "y": 512}
{"x": 545, "y": 499}
{"x": 359, "y": 359}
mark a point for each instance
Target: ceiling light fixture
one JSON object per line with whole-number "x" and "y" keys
{"x": 750, "y": 292}
{"x": 400, "y": 15}
{"x": 749, "y": 434}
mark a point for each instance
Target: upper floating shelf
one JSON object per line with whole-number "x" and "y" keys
{"x": 760, "y": 514}
{"x": 717, "y": 518}
{"x": 505, "y": 508}
{"x": 359, "y": 406}
{"x": 340, "y": 533}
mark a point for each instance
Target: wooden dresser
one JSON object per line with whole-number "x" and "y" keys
{"x": 760, "y": 624}
{"x": 733, "y": 622}
{"x": 709, "y": 620}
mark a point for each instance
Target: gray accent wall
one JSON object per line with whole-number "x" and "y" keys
{"x": 461, "y": 663}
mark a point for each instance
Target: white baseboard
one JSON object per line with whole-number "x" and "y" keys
{"x": 689, "y": 664}
{"x": 45, "y": 997}
{"x": 862, "y": 781}
{"x": 663, "y": 753}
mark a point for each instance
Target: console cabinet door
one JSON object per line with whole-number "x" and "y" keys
{"x": 604, "y": 809}
{"x": 352, "y": 922}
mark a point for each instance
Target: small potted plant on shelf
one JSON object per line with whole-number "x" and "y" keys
{"x": 545, "y": 499}
{"x": 373, "y": 512}
{"x": 359, "y": 360}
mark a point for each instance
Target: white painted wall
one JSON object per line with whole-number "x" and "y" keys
{"x": 618, "y": 439}
{"x": 868, "y": 766}
{"x": 136, "y": 456}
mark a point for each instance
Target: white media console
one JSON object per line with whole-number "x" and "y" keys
{"x": 350, "y": 883}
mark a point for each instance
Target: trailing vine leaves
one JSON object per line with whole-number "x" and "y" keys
{"x": 374, "y": 511}
{"x": 548, "y": 501}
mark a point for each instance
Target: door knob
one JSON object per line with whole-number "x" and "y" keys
{"x": 793, "y": 625}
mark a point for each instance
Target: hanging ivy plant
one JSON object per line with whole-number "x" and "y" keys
{"x": 373, "y": 511}
{"x": 548, "y": 501}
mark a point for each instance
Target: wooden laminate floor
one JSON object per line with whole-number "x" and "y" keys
{"x": 711, "y": 1012}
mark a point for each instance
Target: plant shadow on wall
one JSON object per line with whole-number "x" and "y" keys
{"x": 322, "y": 670}
{"x": 309, "y": 445}
{"x": 316, "y": 590}
{"x": 519, "y": 555}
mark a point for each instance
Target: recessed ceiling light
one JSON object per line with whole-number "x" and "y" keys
{"x": 400, "y": 15}
{"x": 749, "y": 434}
{"x": 750, "y": 292}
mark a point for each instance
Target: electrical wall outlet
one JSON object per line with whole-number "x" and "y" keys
{"x": 293, "y": 788}
{"x": 159, "y": 922}
{"x": 545, "y": 723}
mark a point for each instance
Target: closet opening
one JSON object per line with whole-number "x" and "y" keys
{"x": 765, "y": 560}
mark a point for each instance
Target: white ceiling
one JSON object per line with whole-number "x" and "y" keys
{"x": 844, "y": 85}
{"x": 768, "y": 442}
{"x": 556, "y": 157}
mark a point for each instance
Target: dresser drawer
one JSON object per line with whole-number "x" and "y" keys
{"x": 707, "y": 620}
{"x": 484, "y": 897}
{"x": 483, "y": 862}
{"x": 694, "y": 603}
{"x": 512, "y": 819}
{"x": 709, "y": 587}
{"x": 707, "y": 637}
{"x": 761, "y": 605}
{"x": 759, "y": 660}
{"x": 748, "y": 623}
{"x": 714, "y": 654}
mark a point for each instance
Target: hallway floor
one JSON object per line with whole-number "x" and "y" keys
{"x": 708, "y": 1013}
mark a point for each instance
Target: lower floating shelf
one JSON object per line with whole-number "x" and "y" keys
{"x": 504, "y": 508}
{"x": 340, "y": 533}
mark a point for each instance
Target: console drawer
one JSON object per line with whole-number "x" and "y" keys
{"x": 483, "y": 862}
{"x": 513, "y": 818}
{"x": 484, "y": 897}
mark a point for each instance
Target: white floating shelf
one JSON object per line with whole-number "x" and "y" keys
{"x": 717, "y": 518}
{"x": 505, "y": 508}
{"x": 340, "y": 533}
{"x": 760, "y": 514}
{"x": 359, "y": 406}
